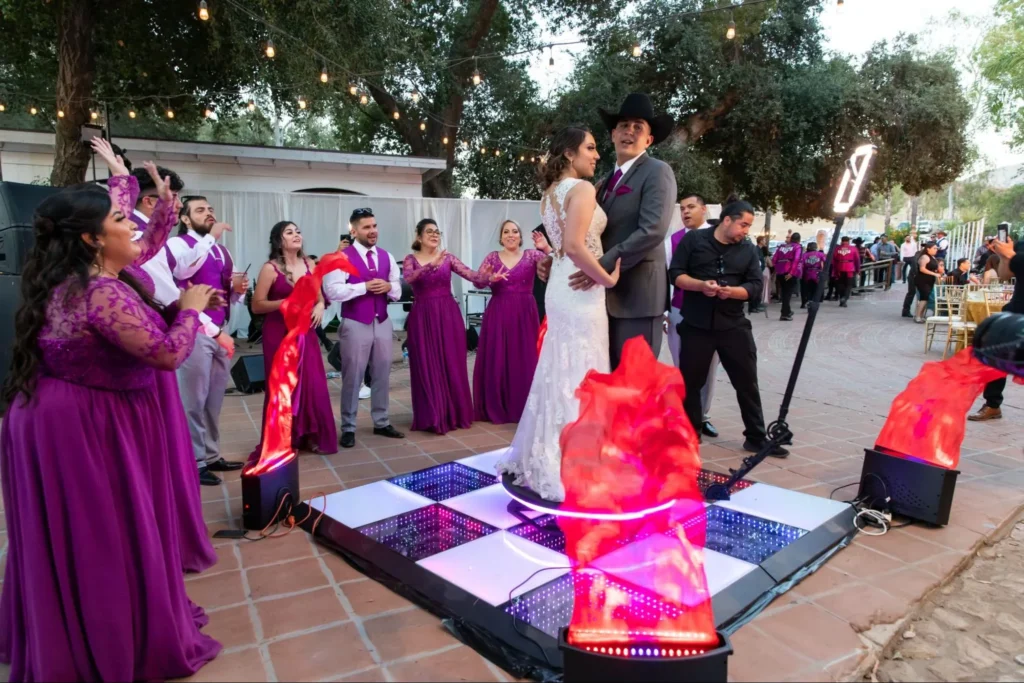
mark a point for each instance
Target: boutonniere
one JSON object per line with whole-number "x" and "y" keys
{"x": 622, "y": 189}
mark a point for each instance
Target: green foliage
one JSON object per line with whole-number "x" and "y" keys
{"x": 1000, "y": 58}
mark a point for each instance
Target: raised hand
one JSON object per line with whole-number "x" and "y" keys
{"x": 540, "y": 243}
{"x": 439, "y": 258}
{"x": 163, "y": 185}
{"x": 114, "y": 161}
{"x": 218, "y": 229}
{"x": 196, "y": 298}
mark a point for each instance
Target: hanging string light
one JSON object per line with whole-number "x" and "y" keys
{"x": 131, "y": 114}
{"x": 415, "y": 96}
{"x": 483, "y": 150}
{"x": 251, "y": 106}
{"x": 465, "y": 144}
{"x": 636, "y": 50}
{"x": 423, "y": 125}
{"x": 364, "y": 98}
{"x": 497, "y": 152}
{"x": 271, "y": 52}
{"x": 444, "y": 141}
{"x": 170, "y": 113}
{"x": 32, "y": 110}
{"x": 730, "y": 31}
{"x": 323, "y": 75}
{"x": 302, "y": 103}
{"x": 522, "y": 158}
{"x": 204, "y": 12}
{"x": 3, "y": 107}
{"x": 60, "y": 113}
{"x": 94, "y": 115}
{"x": 207, "y": 112}
{"x": 353, "y": 89}
{"x": 396, "y": 115}
{"x": 476, "y": 73}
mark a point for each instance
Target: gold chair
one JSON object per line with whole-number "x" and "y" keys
{"x": 948, "y": 302}
{"x": 961, "y": 330}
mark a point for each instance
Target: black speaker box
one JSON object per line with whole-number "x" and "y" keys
{"x": 248, "y": 374}
{"x": 18, "y": 203}
{"x": 915, "y": 488}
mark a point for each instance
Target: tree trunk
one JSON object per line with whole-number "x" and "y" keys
{"x": 768, "y": 222}
{"x": 75, "y": 72}
{"x": 913, "y": 211}
{"x": 888, "y": 210}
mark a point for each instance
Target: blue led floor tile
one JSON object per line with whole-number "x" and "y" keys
{"x": 542, "y": 531}
{"x": 427, "y": 531}
{"x": 444, "y": 481}
{"x": 746, "y": 537}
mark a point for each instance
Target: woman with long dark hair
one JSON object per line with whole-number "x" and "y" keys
{"x": 93, "y": 588}
{"x": 439, "y": 379}
{"x": 313, "y": 426}
{"x": 507, "y": 354}
{"x": 928, "y": 273}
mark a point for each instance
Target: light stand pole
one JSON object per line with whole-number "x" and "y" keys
{"x": 857, "y": 167}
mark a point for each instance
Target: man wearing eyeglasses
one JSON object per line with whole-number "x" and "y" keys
{"x": 720, "y": 271}
{"x": 365, "y": 335}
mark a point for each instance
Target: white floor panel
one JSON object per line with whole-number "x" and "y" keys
{"x": 492, "y": 566}
{"x": 488, "y": 505}
{"x": 782, "y": 505}
{"x": 484, "y": 462}
{"x": 371, "y": 503}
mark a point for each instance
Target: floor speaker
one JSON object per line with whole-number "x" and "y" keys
{"x": 10, "y": 299}
{"x": 248, "y": 374}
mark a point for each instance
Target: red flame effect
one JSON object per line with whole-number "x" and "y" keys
{"x": 284, "y": 372}
{"x": 927, "y": 420}
{"x": 633, "y": 448}
{"x": 540, "y": 335}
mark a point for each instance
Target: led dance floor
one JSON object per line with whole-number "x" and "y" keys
{"x": 445, "y": 538}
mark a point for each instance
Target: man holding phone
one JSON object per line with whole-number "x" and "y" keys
{"x": 1011, "y": 265}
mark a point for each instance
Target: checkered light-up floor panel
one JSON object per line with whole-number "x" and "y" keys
{"x": 447, "y": 538}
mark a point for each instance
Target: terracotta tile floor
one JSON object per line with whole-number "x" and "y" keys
{"x": 286, "y": 609}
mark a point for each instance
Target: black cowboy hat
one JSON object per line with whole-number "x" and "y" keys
{"x": 638, "y": 106}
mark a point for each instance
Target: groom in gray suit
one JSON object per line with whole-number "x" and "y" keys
{"x": 639, "y": 198}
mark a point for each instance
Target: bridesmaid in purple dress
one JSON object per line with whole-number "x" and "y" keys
{"x": 441, "y": 400}
{"x": 313, "y": 428}
{"x": 507, "y": 354}
{"x": 93, "y": 588}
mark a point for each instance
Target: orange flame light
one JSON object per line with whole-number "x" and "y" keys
{"x": 927, "y": 420}
{"x": 633, "y": 448}
{"x": 540, "y": 335}
{"x": 284, "y": 372}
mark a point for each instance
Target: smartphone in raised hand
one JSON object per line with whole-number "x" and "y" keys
{"x": 1003, "y": 232}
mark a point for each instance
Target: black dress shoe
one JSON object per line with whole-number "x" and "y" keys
{"x": 389, "y": 431}
{"x": 223, "y": 465}
{"x": 708, "y": 429}
{"x": 208, "y": 478}
{"x": 348, "y": 439}
{"x": 777, "y": 452}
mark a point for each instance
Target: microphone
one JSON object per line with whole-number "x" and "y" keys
{"x": 999, "y": 343}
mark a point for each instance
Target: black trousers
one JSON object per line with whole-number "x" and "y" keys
{"x": 738, "y": 355}
{"x": 994, "y": 393}
{"x": 321, "y": 334}
{"x": 620, "y": 330}
{"x": 786, "y": 289}
{"x": 844, "y": 285}
{"x": 908, "y": 300}
{"x": 807, "y": 289}
{"x": 908, "y": 264}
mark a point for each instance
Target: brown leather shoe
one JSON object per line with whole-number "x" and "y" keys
{"x": 986, "y": 413}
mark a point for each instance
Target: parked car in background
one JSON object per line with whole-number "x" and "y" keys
{"x": 924, "y": 227}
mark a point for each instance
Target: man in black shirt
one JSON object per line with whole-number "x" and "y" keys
{"x": 1011, "y": 265}
{"x": 721, "y": 271}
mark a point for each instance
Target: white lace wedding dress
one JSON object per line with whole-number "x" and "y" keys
{"x": 576, "y": 342}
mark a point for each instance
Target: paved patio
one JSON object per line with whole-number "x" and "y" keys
{"x": 286, "y": 609}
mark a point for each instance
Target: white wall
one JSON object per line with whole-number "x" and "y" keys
{"x": 26, "y": 167}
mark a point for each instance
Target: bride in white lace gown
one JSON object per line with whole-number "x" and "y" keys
{"x": 577, "y": 335}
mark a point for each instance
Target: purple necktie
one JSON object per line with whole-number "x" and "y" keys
{"x": 370, "y": 265}
{"x": 612, "y": 183}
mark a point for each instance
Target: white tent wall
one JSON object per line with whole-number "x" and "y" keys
{"x": 469, "y": 227}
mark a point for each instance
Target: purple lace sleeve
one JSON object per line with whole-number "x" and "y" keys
{"x": 124, "y": 192}
{"x": 157, "y": 232}
{"x": 117, "y": 314}
{"x": 412, "y": 270}
{"x": 466, "y": 273}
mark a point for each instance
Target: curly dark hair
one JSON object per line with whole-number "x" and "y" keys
{"x": 417, "y": 243}
{"x": 59, "y": 253}
{"x": 277, "y": 248}
{"x": 568, "y": 139}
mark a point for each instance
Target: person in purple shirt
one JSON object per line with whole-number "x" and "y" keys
{"x": 788, "y": 261}
{"x": 813, "y": 264}
{"x": 365, "y": 335}
{"x": 203, "y": 377}
{"x": 845, "y": 265}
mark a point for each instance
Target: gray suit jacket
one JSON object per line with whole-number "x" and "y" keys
{"x": 638, "y": 221}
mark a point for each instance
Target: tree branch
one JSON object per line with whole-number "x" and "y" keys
{"x": 696, "y": 125}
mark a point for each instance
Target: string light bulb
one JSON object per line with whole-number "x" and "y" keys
{"x": 170, "y": 113}
{"x": 94, "y": 115}
{"x": 396, "y": 115}
{"x": 270, "y": 51}
{"x": 423, "y": 125}
{"x": 251, "y": 106}
{"x": 636, "y": 50}
{"x": 415, "y": 96}
{"x": 551, "y": 57}
{"x": 353, "y": 89}
{"x": 522, "y": 157}
{"x": 444, "y": 141}
{"x": 364, "y": 99}
{"x": 465, "y": 144}
{"x": 302, "y": 103}
{"x": 497, "y": 152}
{"x": 131, "y": 114}
{"x": 60, "y": 113}
{"x": 323, "y": 75}
{"x": 730, "y": 31}
{"x": 476, "y": 73}
{"x": 483, "y": 150}
{"x": 3, "y": 107}
{"x": 204, "y": 12}
{"x": 207, "y": 112}
{"x": 33, "y": 111}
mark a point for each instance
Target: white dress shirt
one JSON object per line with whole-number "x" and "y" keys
{"x": 189, "y": 259}
{"x": 908, "y": 249}
{"x": 337, "y": 288}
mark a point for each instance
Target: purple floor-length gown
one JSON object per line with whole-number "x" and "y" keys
{"x": 441, "y": 400}
{"x": 313, "y": 426}
{"x": 93, "y": 588}
{"x": 507, "y": 355}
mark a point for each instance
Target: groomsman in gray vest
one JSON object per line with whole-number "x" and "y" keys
{"x": 639, "y": 198}
{"x": 365, "y": 335}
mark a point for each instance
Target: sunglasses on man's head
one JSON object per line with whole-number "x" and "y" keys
{"x": 362, "y": 213}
